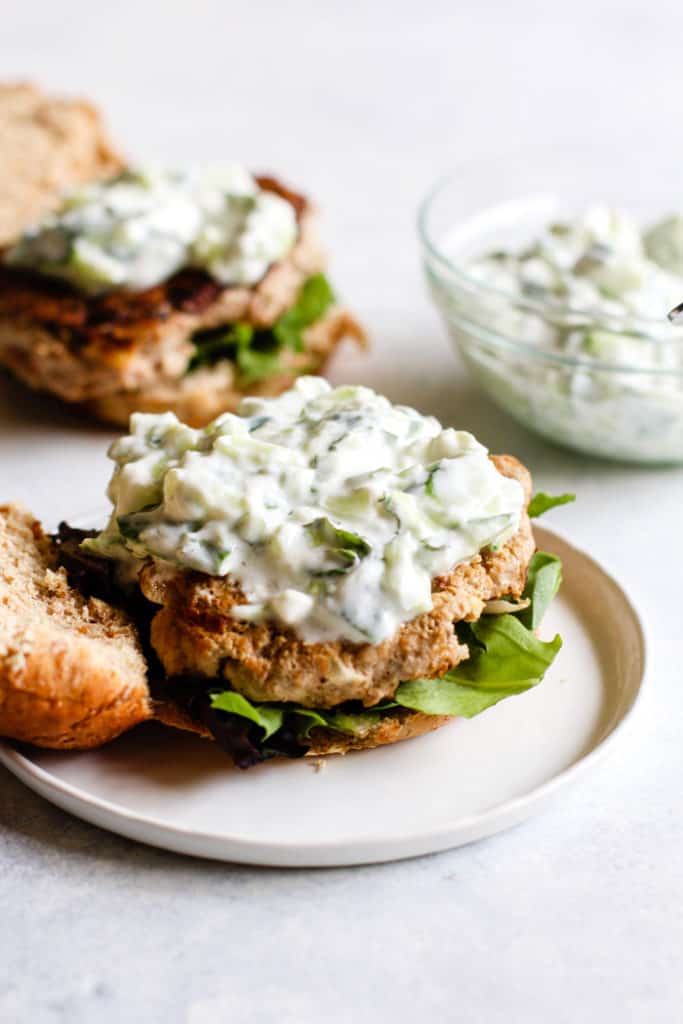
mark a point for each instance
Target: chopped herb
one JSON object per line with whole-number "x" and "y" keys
{"x": 131, "y": 525}
{"x": 429, "y": 486}
{"x": 559, "y": 230}
{"x": 345, "y": 548}
{"x": 259, "y": 421}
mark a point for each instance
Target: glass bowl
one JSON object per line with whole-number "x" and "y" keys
{"x": 516, "y": 345}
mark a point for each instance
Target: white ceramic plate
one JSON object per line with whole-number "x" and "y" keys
{"x": 463, "y": 782}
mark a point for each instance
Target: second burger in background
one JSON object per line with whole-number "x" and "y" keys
{"x": 157, "y": 289}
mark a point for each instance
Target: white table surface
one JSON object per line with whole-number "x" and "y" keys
{"x": 575, "y": 916}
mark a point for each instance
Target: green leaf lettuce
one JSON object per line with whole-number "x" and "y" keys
{"x": 268, "y": 717}
{"x": 506, "y": 658}
{"x": 543, "y": 582}
{"x": 256, "y": 353}
{"x": 543, "y": 502}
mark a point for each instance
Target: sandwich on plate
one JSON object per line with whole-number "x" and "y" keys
{"x": 319, "y": 572}
{"x": 130, "y": 288}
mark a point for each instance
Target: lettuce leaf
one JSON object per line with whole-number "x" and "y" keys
{"x": 355, "y": 724}
{"x": 543, "y": 502}
{"x": 257, "y": 352}
{"x": 220, "y": 343}
{"x": 256, "y": 364}
{"x": 543, "y": 582}
{"x": 314, "y": 299}
{"x": 506, "y": 658}
{"x": 268, "y": 716}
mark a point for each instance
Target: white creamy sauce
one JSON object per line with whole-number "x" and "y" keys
{"x": 602, "y": 262}
{"x": 332, "y": 508}
{"x": 141, "y": 227}
{"x": 605, "y": 286}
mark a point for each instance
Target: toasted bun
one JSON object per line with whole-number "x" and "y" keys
{"x": 46, "y": 144}
{"x": 72, "y": 674}
{"x": 400, "y": 725}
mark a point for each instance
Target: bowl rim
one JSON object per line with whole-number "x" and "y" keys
{"x": 610, "y": 322}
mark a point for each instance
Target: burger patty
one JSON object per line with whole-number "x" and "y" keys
{"x": 81, "y": 347}
{"x": 200, "y": 396}
{"x": 194, "y": 634}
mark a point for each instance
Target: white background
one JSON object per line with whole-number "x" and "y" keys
{"x": 577, "y": 915}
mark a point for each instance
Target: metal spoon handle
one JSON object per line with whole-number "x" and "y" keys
{"x": 676, "y": 313}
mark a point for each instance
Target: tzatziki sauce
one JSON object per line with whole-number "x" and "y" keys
{"x": 601, "y": 262}
{"x": 139, "y": 228}
{"x": 332, "y": 509}
{"x": 591, "y": 293}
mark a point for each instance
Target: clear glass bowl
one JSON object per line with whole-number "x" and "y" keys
{"x": 513, "y": 344}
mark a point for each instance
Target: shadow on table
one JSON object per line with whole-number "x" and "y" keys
{"x": 21, "y": 408}
{"x": 143, "y": 753}
{"x": 32, "y": 825}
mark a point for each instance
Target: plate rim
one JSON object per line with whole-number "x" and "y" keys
{"x": 394, "y": 846}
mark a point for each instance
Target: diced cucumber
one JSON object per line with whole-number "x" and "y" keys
{"x": 91, "y": 267}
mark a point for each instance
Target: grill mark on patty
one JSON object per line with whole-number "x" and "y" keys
{"x": 114, "y": 320}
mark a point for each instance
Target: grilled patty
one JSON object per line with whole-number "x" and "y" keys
{"x": 84, "y": 348}
{"x": 200, "y": 396}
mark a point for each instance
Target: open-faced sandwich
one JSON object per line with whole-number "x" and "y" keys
{"x": 129, "y": 289}
{"x": 319, "y": 572}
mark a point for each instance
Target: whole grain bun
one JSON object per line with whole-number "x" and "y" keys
{"x": 72, "y": 673}
{"x": 46, "y": 144}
